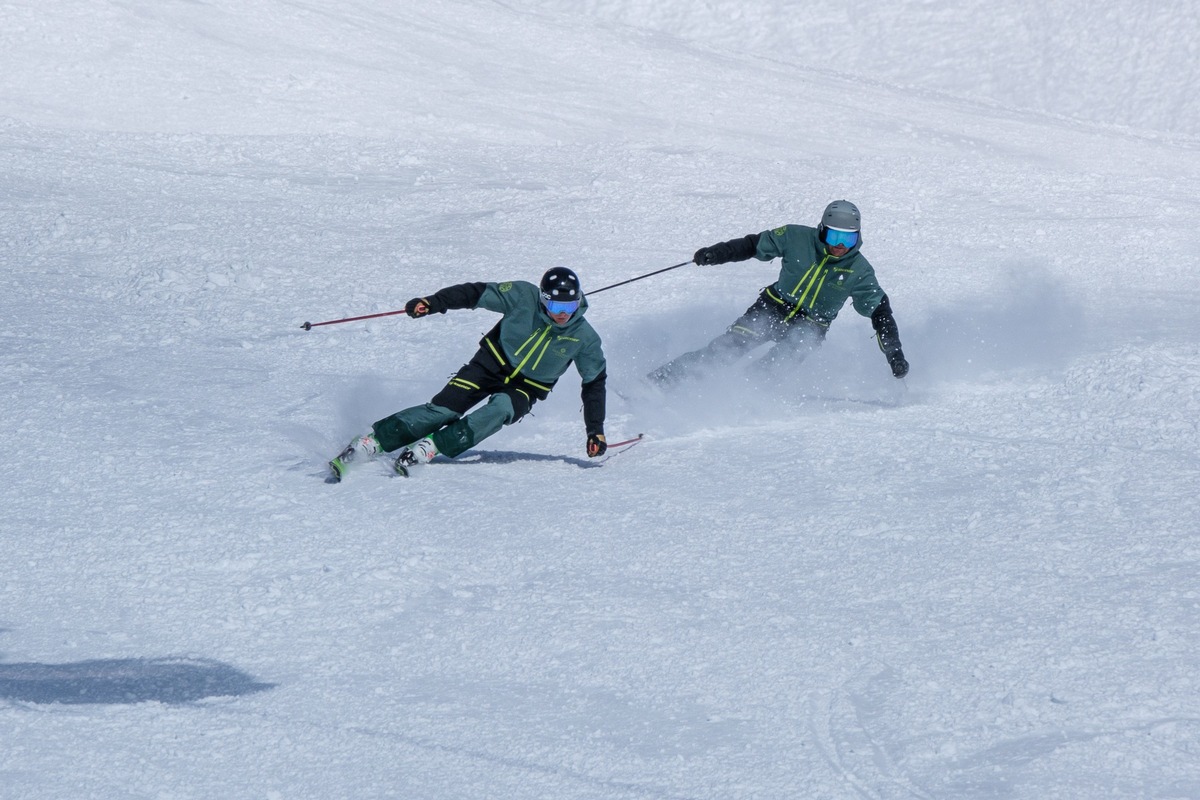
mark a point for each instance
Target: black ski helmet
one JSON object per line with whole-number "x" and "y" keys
{"x": 560, "y": 284}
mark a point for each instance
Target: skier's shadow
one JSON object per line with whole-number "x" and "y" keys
{"x": 125, "y": 681}
{"x": 510, "y": 457}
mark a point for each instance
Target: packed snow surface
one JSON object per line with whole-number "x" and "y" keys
{"x": 980, "y": 582}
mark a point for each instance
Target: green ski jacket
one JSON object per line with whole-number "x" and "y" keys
{"x": 815, "y": 282}
{"x": 529, "y": 343}
{"x": 528, "y": 347}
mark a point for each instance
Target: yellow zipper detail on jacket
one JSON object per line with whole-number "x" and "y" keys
{"x": 495, "y": 352}
{"x": 812, "y": 299}
{"x": 796, "y": 290}
{"x": 545, "y": 347}
{"x": 813, "y": 281}
{"x": 532, "y": 336}
{"x": 528, "y": 355}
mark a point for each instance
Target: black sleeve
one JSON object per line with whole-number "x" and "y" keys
{"x": 734, "y": 249}
{"x": 594, "y": 395}
{"x": 462, "y": 295}
{"x": 884, "y": 324}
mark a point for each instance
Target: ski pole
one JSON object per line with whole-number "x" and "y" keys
{"x": 308, "y": 326}
{"x": 638, "y": 278}
{"x": 637, "y": 438}
{"x": 616, "y": 448}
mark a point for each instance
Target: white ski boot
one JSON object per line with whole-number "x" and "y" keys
{"x": 416, "y": 454}
{"x": 362, "y": 448}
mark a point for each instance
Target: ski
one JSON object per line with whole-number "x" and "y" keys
{"x": 339, "y": 464}
{"x": 403, "y": 469}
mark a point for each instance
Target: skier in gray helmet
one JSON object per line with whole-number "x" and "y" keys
{"x": 821, "y": 269}
{"x": 541, "y": 333}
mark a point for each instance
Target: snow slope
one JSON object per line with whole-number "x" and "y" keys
{"x": 1121, "y": 62}
{"x": 978, "y": 582}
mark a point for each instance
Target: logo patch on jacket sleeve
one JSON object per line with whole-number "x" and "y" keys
{"x": 504, "y": 287}
{"x": 780, "y": 231}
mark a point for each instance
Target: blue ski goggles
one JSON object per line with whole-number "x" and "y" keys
{"x": 834, "y": 237}
{"x": 561, "y": 306}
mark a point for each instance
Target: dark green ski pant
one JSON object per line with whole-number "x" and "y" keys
{"x": 767, "y": 320}
{"x": 442, "y": 420}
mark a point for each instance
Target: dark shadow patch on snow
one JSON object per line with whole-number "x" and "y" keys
{"x": 125, "y": 681}
{"x": 509, "y": 457}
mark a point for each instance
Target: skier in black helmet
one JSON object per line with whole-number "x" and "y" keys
{"x": 821, "y": 269}
{"x": 518, "y": 362}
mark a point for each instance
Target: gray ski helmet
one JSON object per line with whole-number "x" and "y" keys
{"x": 560, "y": 285}
{"x": 841, "y": 215}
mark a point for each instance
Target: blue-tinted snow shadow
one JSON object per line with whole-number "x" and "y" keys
{"x": 1033, "y": 321}
{"x": 125, "y": 681}
{"x": 1030, "y": 320}
{"x": 509, "y": 457}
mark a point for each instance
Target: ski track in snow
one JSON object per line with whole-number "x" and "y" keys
{"x": 978, "y": 582}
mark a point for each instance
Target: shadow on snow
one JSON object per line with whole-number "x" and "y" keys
{"x": 124, "y": 681}
{"x": 509, "y": 457}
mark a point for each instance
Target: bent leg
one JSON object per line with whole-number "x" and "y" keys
{"x": 471, "y": 384}
{"x": 407, "y": 426}
{"x": 725, "y": 349}
{"x": 760, "y": 323}
{"x": 465, "y": 433}
{"x": 804, "y": 337}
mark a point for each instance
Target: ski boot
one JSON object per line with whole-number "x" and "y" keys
{"x": 362, "y": 447}
{"x": 415, "y": 454}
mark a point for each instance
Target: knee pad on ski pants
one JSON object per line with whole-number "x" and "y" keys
{"x": 514, "y": 401}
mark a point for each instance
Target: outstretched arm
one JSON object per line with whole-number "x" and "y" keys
{"x": 462, "y": 295}
{"x": 733, "y": 250}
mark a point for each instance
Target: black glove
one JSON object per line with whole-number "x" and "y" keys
{"x": 417, "y": 307}
{"x": 898, "y": 364}
{"x": 596, "y": 445}
{"x": 724, "y": 252}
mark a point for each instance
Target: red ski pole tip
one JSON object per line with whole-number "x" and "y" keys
{"x": 307, "y": 326}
